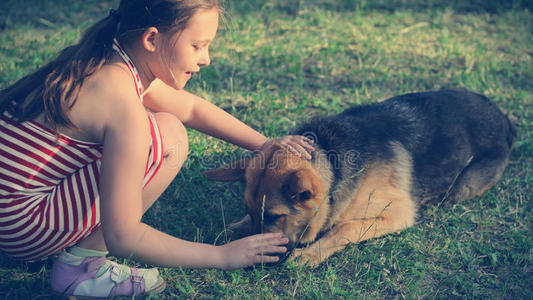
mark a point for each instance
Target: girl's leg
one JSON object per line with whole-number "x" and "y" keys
{"x": 175, "y": 149}
{"x": 84, "y": 271}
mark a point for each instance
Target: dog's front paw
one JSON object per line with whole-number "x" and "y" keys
{"x": 306, "y": 256}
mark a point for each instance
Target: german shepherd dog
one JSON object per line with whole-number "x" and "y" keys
{"x": 373, "y": 166}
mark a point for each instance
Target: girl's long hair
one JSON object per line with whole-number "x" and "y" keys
{"x": 54, "y": 88}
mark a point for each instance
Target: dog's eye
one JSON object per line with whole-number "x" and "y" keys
{"x": 271, "y": 218}
{"x": 302, "y": 196}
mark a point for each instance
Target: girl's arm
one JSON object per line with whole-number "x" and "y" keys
{"x": 206, "y": 117}
{"x": 126, "y": 146}
{"x": 199, "y": 114}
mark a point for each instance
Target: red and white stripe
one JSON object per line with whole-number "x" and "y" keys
{"x": 49, "y": 185}
{"x": 48, "y": 189}
{"x": 122, "y": 52}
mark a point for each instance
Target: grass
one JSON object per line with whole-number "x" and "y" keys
{"x": 299, "y": 58}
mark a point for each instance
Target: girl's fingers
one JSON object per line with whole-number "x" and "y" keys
{"x": 270, "y": 249}
{"x": 275, "y": 249}
{"x": 300, "y": 151}
{"x": 265, "y": 259}
{"x": 296, "y": 144}
{"x": 270, "y": 239}
{"x": 296, "y": 148}
{"x": 267, "y": 245}
{"x": 270, "y": 235}
{"x": 304, "y": 139}
{"x": 307, "y": 143}
{"x": 293, "y": 149}
{"x": 274, "y": 242}
{"x": 303, "y": 144}
{"x": 308, "y": 140}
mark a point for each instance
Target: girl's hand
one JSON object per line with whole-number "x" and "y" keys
{"x": 297, "y": 144}
{"x": 252, "y": 250}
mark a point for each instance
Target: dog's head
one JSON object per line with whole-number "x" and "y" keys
{"x": 284, "y": 193}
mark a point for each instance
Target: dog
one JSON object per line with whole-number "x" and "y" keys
{"x": 372, "y": 168}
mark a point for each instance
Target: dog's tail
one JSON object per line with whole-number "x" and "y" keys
{"x": 511, "y": 137}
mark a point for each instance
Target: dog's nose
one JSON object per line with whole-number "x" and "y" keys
{"x": 290, "y": 245}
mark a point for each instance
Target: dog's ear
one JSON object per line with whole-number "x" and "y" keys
{"x": 231, "y": 172}
{"x": 299, "y": 186}
{"x": 243, "y": 227}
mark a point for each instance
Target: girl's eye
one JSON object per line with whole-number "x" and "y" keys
{"x": 196, "y": 47}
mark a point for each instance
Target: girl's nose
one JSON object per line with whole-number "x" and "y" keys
{"x": 205, "y": 60}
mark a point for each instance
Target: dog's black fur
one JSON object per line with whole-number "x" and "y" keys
{"x": 459, "y": 140}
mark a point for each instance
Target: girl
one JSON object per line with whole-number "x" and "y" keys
{"x": 81, "y": 159}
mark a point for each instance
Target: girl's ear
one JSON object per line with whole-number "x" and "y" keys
{"x": 149, "y": 38}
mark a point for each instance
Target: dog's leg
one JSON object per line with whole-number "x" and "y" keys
{"x": 480, "y": 175}
{"x": 347, "y": 232}
{"x": 395, "y": 215}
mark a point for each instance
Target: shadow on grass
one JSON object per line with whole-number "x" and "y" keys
{"x": 462, "y": 6}
{"x": 196, "y": 209}
{"x": 52, "y": 13}
{"x": 16, "y": 278}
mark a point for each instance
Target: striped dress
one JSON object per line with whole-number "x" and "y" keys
{"x": 49, "y": 197}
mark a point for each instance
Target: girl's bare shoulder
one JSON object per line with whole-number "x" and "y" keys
{"x": 104, "y": 96}
{"x": 110, "y": 85}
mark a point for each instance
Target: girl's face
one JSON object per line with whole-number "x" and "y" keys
{"x": 189, "y": 49}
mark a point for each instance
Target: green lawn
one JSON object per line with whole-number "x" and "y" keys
{"x": 275, "y": 64}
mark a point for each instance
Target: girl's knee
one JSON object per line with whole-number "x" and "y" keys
{"x": 174, "y": 138}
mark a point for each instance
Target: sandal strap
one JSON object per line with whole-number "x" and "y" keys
{"x": 134, "y": 286}
{"x": 138, "y": 282}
